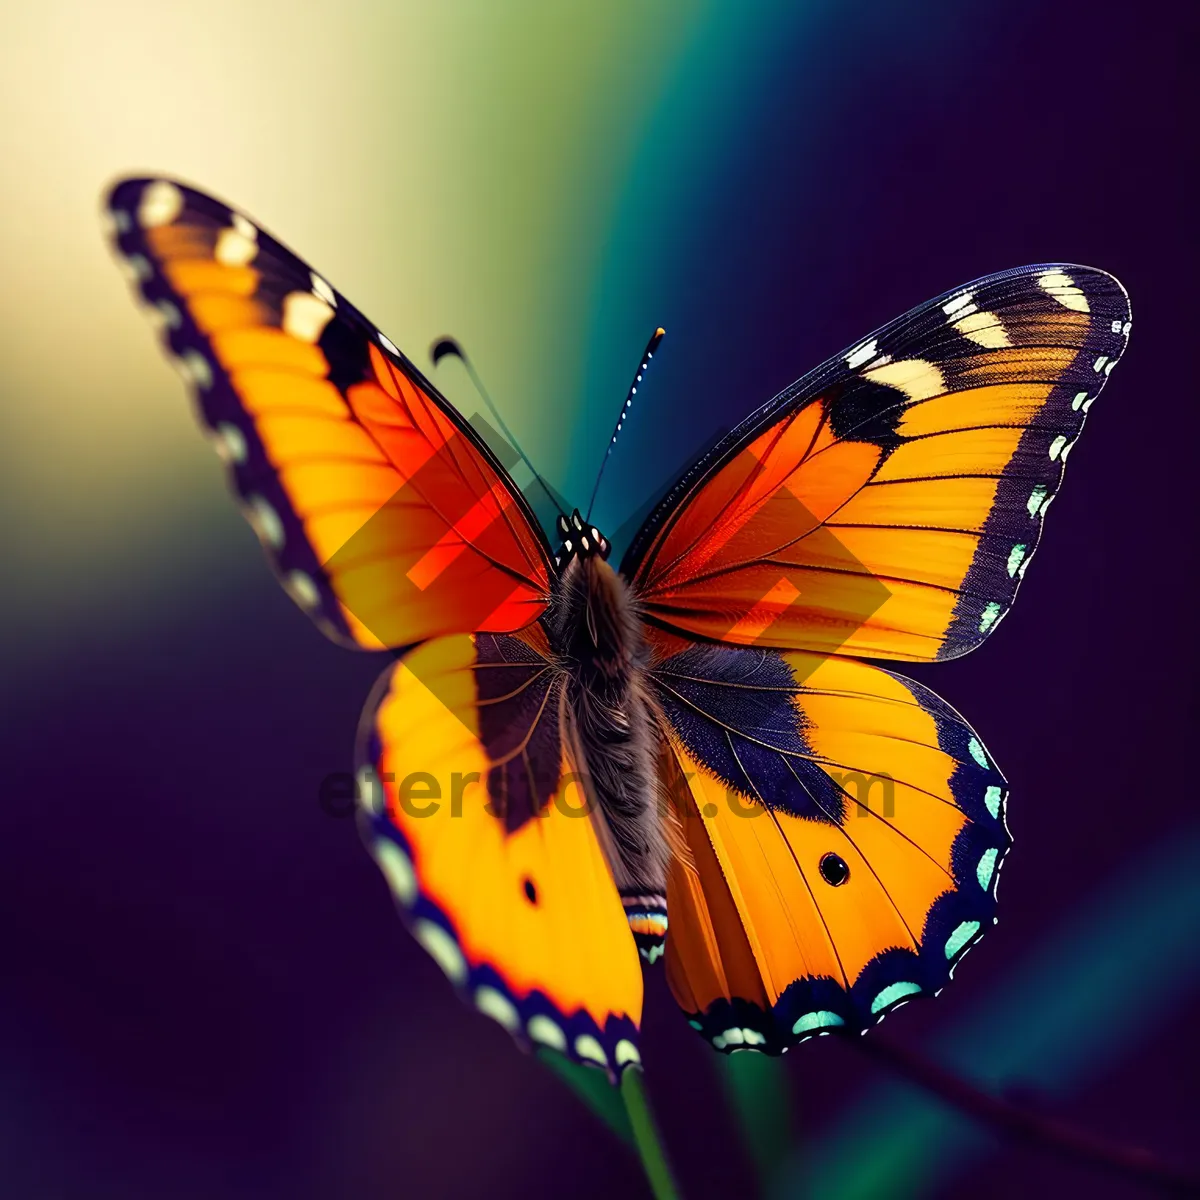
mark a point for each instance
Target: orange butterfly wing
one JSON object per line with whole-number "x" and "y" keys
{"x": 476, "y": 820}
{"x": 844, "y": 830}
{"x": 383, "y": 512}
{"x": 888, "y": 504}
{"x": 844, "y": 826}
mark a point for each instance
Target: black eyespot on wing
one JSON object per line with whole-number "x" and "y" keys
{"x": 834, "y": 870}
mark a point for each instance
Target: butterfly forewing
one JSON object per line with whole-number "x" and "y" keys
{"x": 888, "y": 504}
{"x": 383, "y": 512}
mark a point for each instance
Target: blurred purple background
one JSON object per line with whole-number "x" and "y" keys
{"x": 205, "y": 989}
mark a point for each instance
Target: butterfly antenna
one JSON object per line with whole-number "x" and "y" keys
{"x": 647, "y": 355}
{"x": 445, "y": 347}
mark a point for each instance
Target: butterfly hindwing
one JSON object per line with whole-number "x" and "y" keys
{"x": 888, "y": 504}
{"x": 381, "y": 509}
{"x": 472, "y": 811}
{"x": 844, "y": 829}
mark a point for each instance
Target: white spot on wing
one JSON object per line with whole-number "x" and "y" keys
{"x": 322, "y": 289}
{"x": 861, "y": 354}
{"x": 195, "y": 369}
{"x": 369, "y": 790}
{"x": 139, "y": 268}
{"x": 442, "y": 948}
{"x": 542, "y": 1029}
{"x": 265, "y": 522}
{"x": 230, "y": 442}
{"x": 960, "y": 305}
{"x": 626, "y": 1052}
{"x": 499, "y": 1007}
{"x": 171, "y": 315}
{"x": 234, "y": 249}
{"x": 397, "y": 870}
{"x": 984, "y": 329}
{"x": 305, "y": 316}
{"x": 388, "y": 345}
{"x": 244, "y": 227}
{"x": 1061, "y": 287}
{"x": 915, "y": 377}
{"x": 303, "y": 590}
{"x": 160, "y": 204}
{"x": 587, "y": 1047}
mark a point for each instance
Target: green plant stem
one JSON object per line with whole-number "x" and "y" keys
{"x": 594, "y": 1088}
{"x": 759, "y": 1098}
{"x": 645, "y": 1134}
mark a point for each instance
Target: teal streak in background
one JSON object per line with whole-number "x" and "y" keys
{"x": 1111, "y": 973}
{"x": 711, "y": 90}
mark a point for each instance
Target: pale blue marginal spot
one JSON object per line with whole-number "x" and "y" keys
{"x": 398, "y": 871}
{"x": 892, "y": 993}
{"x": 695, "y": 1025}
{"x": 817, "y": 1020}
{"x": 1080, "y": 397}
{"x": 370, "y": 791}
{"x": 990, "y": 613}
{"x": 992, "y": 798}
{"x": 1015, "y": 555}
{"x": 443, "y": 949}
{"x": 739, "y": 1037}
{"x": 626, "y": 1053}
{"x": 976, "y": 752}
{"x": 960, "y": 937}
{"x": 496, "y": 1005}
{"x": 653, "y": 954}
{"x": 1035, "y": 499}
{"x": 230, "y": 443}
{"x": 587, "y": 1047}
{"x": 987, "y": 866}
{"x": 1056, "y": 446}
{"x": 547, "y": 1032}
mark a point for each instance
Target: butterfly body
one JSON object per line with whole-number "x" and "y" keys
{"x": 562, "y": 752}
{"x": 612, "y": 739}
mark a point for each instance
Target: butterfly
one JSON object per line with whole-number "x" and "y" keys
{"x": 563, "y": 756}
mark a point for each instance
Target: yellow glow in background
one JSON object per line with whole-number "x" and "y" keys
{"x": 453, "y": 168}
